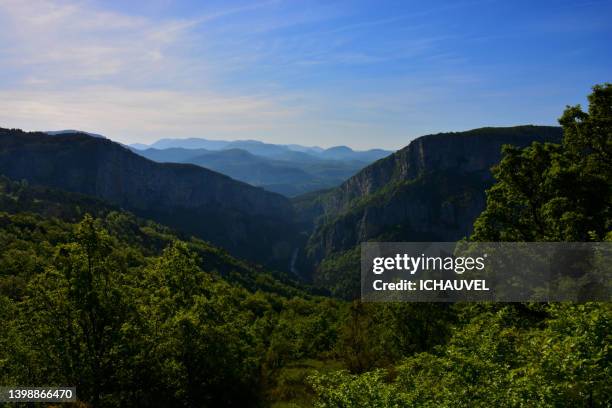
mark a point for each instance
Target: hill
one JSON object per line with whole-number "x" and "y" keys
{"x": 431, "y": 190}
{"x": 133, "y": 313}
{"x": 270, "y": 150}
{"x": 247, "y": 221}
{"x": 272, "y": 167}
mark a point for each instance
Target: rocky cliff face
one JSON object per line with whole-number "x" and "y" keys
{"x": 246, "y": 220}
{"x": 431, "y": 190}
{"x": 467, "y": 152}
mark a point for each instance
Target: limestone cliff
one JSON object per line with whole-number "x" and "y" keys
{"x": 431, "y": 190}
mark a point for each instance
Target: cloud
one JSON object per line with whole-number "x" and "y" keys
{"x": 141, "y": 114}
{"x": 72, "y": 66}
{"x": 64, "y": 42}
{"x": 316, "y": 73}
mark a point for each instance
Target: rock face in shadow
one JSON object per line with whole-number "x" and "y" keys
{"x": 246, "y": 220}
{"x": 431, "y": 190}
{"x": 474, "y": 151}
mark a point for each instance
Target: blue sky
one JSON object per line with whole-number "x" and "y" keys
{"x": 361, "y": 73}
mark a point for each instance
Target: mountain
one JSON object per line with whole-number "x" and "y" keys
{"x": 72, "y": 131}
{"x": 259, "y": 148}
{"x": 248, "y": 221}
{"x": 346, "y": 153}
{"x": 187, "y": 143}
{"x": 18, "y": 198}
{"x": 286, "y": 171}
{"x": 138, "y": 146}
{"x": 305, "y": 149}
{"x": 431, "y": 190}
{"x": 107, "y": 293}
{"x": 273, "y": 151}
{"x": 169, "y": 155}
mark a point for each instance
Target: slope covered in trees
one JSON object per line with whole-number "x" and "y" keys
{"x": 134, "y": 315}
{"x": 248, "y": 221}
{"x": 431, "y": 190}
{"x": 508, "y": 355}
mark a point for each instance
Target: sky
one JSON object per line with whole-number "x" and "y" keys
{"x": 360, "y": 73}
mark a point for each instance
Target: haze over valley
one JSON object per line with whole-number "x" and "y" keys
{"x": 286, "y": 169}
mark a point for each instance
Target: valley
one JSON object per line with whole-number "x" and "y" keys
{"x": 140, "y": 278}
{"x": 248, "y": 221}
{"x": 433, "y": 189}
{"x": 290, "y": 170}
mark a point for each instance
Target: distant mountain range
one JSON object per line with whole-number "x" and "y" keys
{"x": 286, "y": 169}
{"x": 276, "y": 151}
{"x": 72, "y": 132}
{"x": 266, "y": 149}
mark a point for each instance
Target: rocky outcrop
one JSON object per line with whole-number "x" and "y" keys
{"x": 472, "y": 151}
{"x": 431, "y": 190}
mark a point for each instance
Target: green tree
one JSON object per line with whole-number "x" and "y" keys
{"x": 74, "y": 313}
{"x": 556, "y": 192}
{"x": 194, "y": 343}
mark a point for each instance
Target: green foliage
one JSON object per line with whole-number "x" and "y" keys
{"x": 556, "y": 192}
{"x": 377, "y": 335}
{"x": 344, "y": 390}
{"x": 133, "y": 316}
{"x": 495, "y": 358}
{"x": 340, "y": 273}
{"x": 518, "y": 355}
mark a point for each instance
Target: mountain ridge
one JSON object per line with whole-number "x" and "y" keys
{"x": 431, "y": 190}
{"x": 397, "y": 165}
{"x": 287, "y": 172}
{"x": 264, "y": 149}
{"x": 249, "y": 221}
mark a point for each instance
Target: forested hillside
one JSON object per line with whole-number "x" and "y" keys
{"x": 133, "y": 316}
{"x": 549, "y": 355}
{"x": 247, "y": 221}
{"x": 431, "y": 190}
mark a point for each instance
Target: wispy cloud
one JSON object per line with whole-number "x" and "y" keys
{"x": 359, "y": 73}
{"x": 77, "y": 66}
{"x": 64, "y": 42}
{"x": 149, "y": 114}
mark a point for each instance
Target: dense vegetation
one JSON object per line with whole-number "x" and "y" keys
{"x": 556, "y": 192}
{"x": 518, "y": 355}
{"x": 135, "y": 314}
{"x": 124, "y": 310}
